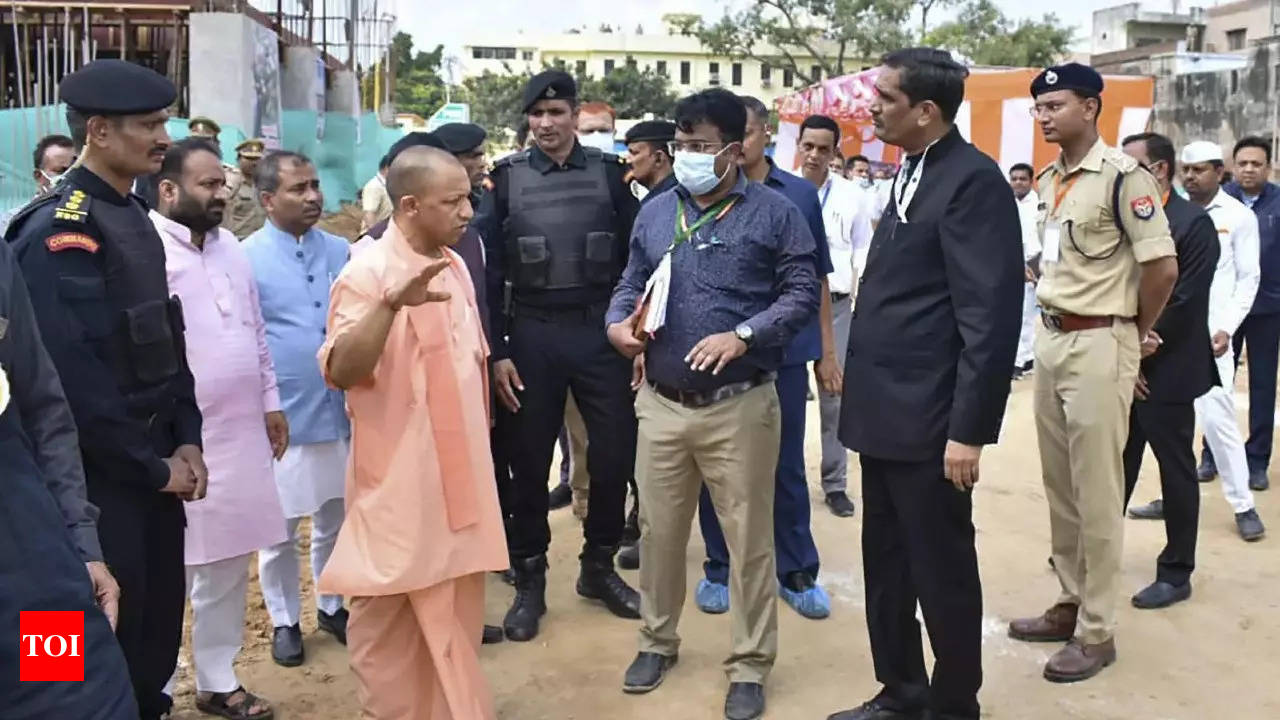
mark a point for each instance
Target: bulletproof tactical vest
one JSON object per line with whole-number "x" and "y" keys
{"x": 560, "y": 227}
{"x": 126, "y": 309}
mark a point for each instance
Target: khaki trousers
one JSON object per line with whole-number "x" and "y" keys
{"x": 1083, "y": 389}
{"x": 732, "y": 446}
{"x": 416, "y": 655}
{"x": 579, "y": 480}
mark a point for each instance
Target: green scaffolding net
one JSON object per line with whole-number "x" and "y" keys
{"x": 345, "y": 148}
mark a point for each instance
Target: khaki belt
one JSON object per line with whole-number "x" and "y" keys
{"x": 1075, "y": 323}
{"x": 696, "y": 399}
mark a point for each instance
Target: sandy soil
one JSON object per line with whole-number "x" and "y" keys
{"x": 1209, "y": 658}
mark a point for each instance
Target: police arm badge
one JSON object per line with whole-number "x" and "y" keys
{"x": 1143, "y": 207}
{"x": 71, "y": 241}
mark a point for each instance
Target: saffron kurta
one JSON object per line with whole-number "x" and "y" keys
{"x": 235, "y": 388}
{"x": 423, "y": 523}
{"x": 421, "y": 502}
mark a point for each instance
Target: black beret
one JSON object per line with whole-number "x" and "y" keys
{"x": 651, "y": 130}
{"x": 413, "y": 139}
{"x": 460, "y": 137}
{"x": 116, "y": 87}
{"x": 549, "y": 85}
{"x": 1072, "y": 76}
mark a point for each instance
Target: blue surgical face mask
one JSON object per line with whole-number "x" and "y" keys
{"x": 697, "y": 171}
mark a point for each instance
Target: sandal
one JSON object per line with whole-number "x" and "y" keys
{"x": 221, "y": 704}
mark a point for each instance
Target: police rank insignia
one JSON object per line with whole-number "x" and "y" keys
{"x": 1143, "y": 207}
{"x": 74, "y": 209}
{"x": 71, "y": 241}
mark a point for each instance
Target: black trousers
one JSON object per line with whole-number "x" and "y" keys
{"x": 142, "y": 541}
{"x": 552, "y": 358}
{"x": 1170, "y": 430}
{"x": 917, "y": 544}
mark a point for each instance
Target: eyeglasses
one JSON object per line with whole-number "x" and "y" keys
{"x": 701, "y": 147}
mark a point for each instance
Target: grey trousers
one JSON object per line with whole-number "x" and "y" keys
{"x": 835, "y": 458}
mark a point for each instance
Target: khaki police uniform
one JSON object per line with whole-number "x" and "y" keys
{"x": 1086, "y": 360}
{"x": 244, "y": 214}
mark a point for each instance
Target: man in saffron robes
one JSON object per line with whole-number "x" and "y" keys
{"x": 422, "y": 524}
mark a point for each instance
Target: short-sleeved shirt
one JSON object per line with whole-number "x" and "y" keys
{"x": 1097, "y": 268}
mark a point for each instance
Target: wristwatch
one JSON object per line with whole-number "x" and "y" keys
{"x": 745, "y": 334}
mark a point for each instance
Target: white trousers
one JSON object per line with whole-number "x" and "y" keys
{"x": 218, "y": 593}
{"x": 278, "y": 566}
{"x": 1216, "y": 414}
{"x": 1026, "y": 341}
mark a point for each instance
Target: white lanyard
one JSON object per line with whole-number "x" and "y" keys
{"x": 905, "y": 192}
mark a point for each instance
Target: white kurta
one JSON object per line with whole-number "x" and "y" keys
{"x": 308, "y": 476}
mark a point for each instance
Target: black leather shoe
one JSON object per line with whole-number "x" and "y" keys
{"x": 646, "y": 672}
{"x": 599, "y": 581}
{"x": 492, "y": 635}
{"x": 286, "y": 646}
{"x": 840, "y": 504}
{"x": 335, "y": 624}
{"x": 1161, "y": 595}
{"x": 561, "y": 496}
{"x": 745, "y": 701}
{"x": 876, "y": 709}
{"x": 530, "y": 604}
{"x": 1250, "y": 525}
{"x": 1207, "y": 470}
{"x": 629, "y": 557}
{"x": 1258, "y": 480}
{"x": 1153, "y": 510}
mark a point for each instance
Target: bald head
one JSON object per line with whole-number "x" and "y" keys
{"x": 431, "y": 194}
{"x": 417, "y": 169}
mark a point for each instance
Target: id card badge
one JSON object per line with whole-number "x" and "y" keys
{"x": 1052, "y": 238}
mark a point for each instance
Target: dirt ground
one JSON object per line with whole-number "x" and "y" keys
{"x": 1206, "y": 659}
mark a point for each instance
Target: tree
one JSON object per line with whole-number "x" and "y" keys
{"x": 418, "y": 87}
{"x": 928, "y": 5}
{"x": 495, "y": 100}
{"x": 630, "y": 91}
{"x": 683, "y": 23}
{"x": 785, "y": 34}
{"x": 985, "y": 36}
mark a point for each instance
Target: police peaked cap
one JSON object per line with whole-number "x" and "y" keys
{"x": 1071, "y": 76}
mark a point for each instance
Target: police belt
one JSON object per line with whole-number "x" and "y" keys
{"x": 838, "y": 296}
{"x": 1067, "y": 322}
{"x": 591, "y": 312}
{"x": 696, "y": 399}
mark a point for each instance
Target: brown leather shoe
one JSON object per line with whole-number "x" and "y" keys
{"x": 1078, "y": 661}
{"x": 1057, "y": 624}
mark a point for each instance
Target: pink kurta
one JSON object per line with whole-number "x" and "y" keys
{"x": 235, "y": 388}
{"x": 422, "y": 507}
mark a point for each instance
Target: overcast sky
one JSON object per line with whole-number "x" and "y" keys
{"x": 467, "y": 18}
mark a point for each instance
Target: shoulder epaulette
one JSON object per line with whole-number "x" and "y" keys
{"x": 513, "y": 158}
{"x": 74, "y": 209}
{"x": 1040, "y": 173}
{"x": 1118, "y": 159}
